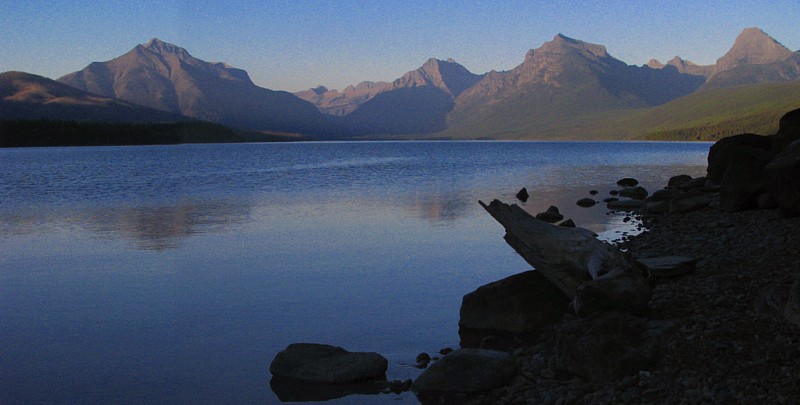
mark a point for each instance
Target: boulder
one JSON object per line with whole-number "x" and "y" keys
{"x": 782, "y": 179}
{"x": 552, "y": 215}
{"x": 466, "y": 371}
{"x": 609, "y": 346}
{"x": 792, "y": 309}
{"x": 677, "y": 181}
{"x": 691, "y": 200}
{"x": 788, "y": 130}
{"x": 520, "y": 304}
{"x": 722, "y": 153}
{"x": 523, "y": 195}
{"x": 637, "y": 193}
{"x": 586, "y": 202}
{"x": 627, "y": 182}
{"x": 742, "y": 182}
{"x": 327, "y": 365}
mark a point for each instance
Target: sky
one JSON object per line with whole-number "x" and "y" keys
{"x": 296, "y": 45}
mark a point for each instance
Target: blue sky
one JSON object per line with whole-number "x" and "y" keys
{"x": 294, "y": 45}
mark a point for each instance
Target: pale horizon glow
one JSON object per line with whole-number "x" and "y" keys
{"x": 296, "y": 45}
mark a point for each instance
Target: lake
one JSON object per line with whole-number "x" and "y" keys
{"x": 174, "y": 274}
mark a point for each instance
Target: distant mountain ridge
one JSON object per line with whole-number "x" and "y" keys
{"x": 166, "y": 77}
{"x": 448, "y": 76}
{"x": 554, "y": 88}
{"x": 32, "y": 97}
{"x": 333, "y": 102}
{"x": 562, "y": 78}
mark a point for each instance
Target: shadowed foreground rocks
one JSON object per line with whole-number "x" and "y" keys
{"x": 723, "y": 320}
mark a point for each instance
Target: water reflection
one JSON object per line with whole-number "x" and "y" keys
{"x": 150, "y": 227}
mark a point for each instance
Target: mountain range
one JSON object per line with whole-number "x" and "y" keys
{"x": 566, "y": 88}
{"x": 166, "y": 77}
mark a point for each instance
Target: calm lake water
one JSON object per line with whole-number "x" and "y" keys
{"x": 174, "y": 274}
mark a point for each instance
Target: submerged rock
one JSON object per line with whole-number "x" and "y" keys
{"x": 586, "y": 202}
{"x": 552, "y": 215}
{"x": 628, "y": 182}
{"x": 324, "y": 364}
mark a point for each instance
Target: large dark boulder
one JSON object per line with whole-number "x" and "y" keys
{"x": 609, "y": 346}
{"x": 327, "y": 365}
{"x": 518, "y": 305}
{"x": 782, "y": 179}
{"x": 466, "y": 371}
{"x": 742, "y": 182}
{"x": 724, "y": 151}
{"x": 789, "y": 130}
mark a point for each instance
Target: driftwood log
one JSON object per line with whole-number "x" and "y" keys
{"x": 595, "y": 275}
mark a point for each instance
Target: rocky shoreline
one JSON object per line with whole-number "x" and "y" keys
{"x": 717, "y": 270}
{"x": 729, "y": 340}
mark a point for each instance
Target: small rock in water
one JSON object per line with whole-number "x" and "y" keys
{"x": 637, "y": 193}
{"x": 613, "y": 192}
{"x": 422, "y": 360}
{"x": 523, "y": 195}
{"x": 325, "y": 364}
{"x": 628, "y": 182}
{"x": 586, "y": 202}
{"x": 552, "y": 215}
{"x": 610, "y": 199}
{"x": 593, "y": 192}
{"x": 445, "y": 351}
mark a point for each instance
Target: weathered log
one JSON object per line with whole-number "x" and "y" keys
{"x": 594, "y": 274}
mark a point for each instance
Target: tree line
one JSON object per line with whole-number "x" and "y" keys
{"x": 31, "y": 133}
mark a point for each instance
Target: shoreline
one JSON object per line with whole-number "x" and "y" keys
{"x": 728, "y": 342}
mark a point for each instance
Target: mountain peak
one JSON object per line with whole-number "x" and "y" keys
{"x": 562, "y": 42}
{"x": 319, "y": 90}
{"x": 158, "y": 46}
{"x": 753, "y": 47}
